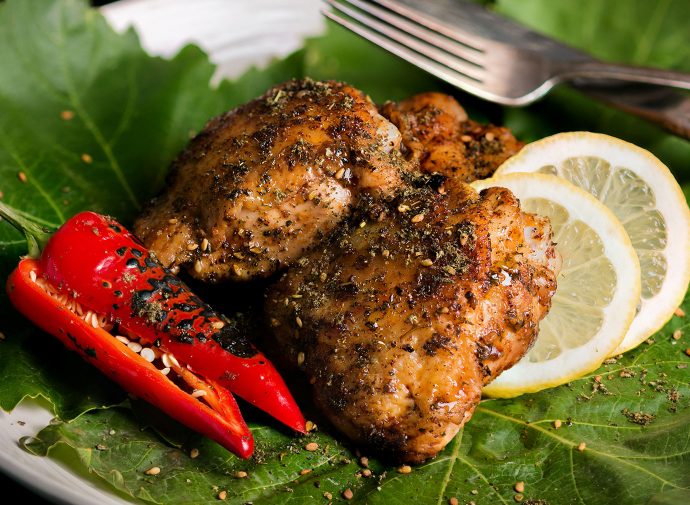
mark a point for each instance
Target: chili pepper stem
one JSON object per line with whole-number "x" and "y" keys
{"x": 36, "y": 234}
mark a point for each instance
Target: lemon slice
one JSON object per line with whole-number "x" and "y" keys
{"x": 643, "y": 194}
{"x": 598, "y": 285}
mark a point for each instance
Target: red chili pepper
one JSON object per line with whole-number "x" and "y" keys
{"x": 95, "y": 262}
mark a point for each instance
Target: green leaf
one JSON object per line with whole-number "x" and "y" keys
{"x": 632, "y": 415}
{"x": 131, "y": 114}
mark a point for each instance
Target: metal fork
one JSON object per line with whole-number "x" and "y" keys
{"x": 501, "y": 61}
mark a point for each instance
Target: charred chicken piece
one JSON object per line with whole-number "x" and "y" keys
{"x": 441, "y": 138}
{"x": 263, "y": 182}
{"x": 401, "y": 317}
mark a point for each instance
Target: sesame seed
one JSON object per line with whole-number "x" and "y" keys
{"x": 557, "y": 423}
{"x": 305, "y": 471}
{"x": 323, "y": 276}
{"x": 300, "y": 358}
{"x": 311, "y": 446}
{"x": 403, "y": 208}
{"x": 489, "y": 136}
{"x": 386, "y": 253}
{"x": 22, "y": 176}
{"x": 154, "y": 470}
{"x": 348, "y": 494}
{"x": 86, "y": 158}
{"x": 255, "y": 250}
{"x": 298, "y": 320}
{"x": 339, "y": 174}
{"x": 417, "y": 218}
{"x": 218, "y": 325}
{"x": 466, "y": 138}
{"x": 404, "y": 469}
{"x": 205, "y": 245}
{"x": 362, "y": 224}
{"x": 191, "y": 247}
{"x": 519, "y": 487}
{"x": 237, "y": 269}
{"x": 679, "y": 312}
{"x": 148, "y": 354}
{"x": 241, "y": 474}
{"x": 450, "y": 270}
{"x": 581, "y": 446}
{"x": 194, "y": 453}
{"x": 66, "y": 115}
{"x": 328, "y": 495}
{"x": 197, "y": 266}
{"x": 427, "y": 262}
{"x": 222, "y": 495}
{"x": 312, "y": 195}
{"x": 474, "y": 492}
{"x": 677, "y": 334}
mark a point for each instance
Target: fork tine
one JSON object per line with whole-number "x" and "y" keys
{"x": 469, "y": 70}
{"x": 408, "y": 25}
{"x": 463, "y": 37}
{"x": 442, "y": 72}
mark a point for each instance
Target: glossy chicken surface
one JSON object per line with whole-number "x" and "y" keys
{"x": 263, "y": 182}
{"x": 401, "y": 317}
{"x": 441, "y": 138}
{"x": 405, "y": 291}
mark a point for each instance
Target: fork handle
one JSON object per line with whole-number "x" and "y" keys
{"x": 594, "y": 69}
{"x": 664, "y": 106}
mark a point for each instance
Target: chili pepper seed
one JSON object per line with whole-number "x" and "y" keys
{"x": 222, "y": 495}
{"x": 519, "y": 487}
{"x": 148, "y": 354}
{"x": 348, "y": 494}
{"x": 311, "y": 446}
{"x": 194, "y": 453}
{"x": 453, "y": 501}
{"x": 241, "y": 474}
{"x": 404, "y": 469}
{"x": 581, "y": 447}
{"x": 557, "y": 423}
{"x": 154, "y": 470}
{"x": 679, "y": 312}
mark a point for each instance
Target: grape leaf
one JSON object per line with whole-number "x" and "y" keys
{"x": 623, "y": 437}
{"x": 63, "y": 96}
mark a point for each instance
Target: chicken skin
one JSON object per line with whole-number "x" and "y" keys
{"x": 263, "y": 182}
{"x": 401, "y": 317}
{"x": 442, "y": 139}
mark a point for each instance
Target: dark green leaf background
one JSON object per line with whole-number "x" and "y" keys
{"x": 128, "y": 114}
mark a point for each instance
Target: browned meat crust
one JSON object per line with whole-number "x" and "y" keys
{"x": 441, "y": 138}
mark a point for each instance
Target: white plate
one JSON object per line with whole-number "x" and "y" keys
{"x": 236, "y": 34}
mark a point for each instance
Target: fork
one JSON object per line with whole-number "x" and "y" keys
{"x": 501, "y": 61}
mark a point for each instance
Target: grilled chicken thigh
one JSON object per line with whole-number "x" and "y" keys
{"x": 263, "y": 182}
{"x": 406, "y": 291}
{"x": 441, "y": 138}
{"x": 401, "y": 317}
